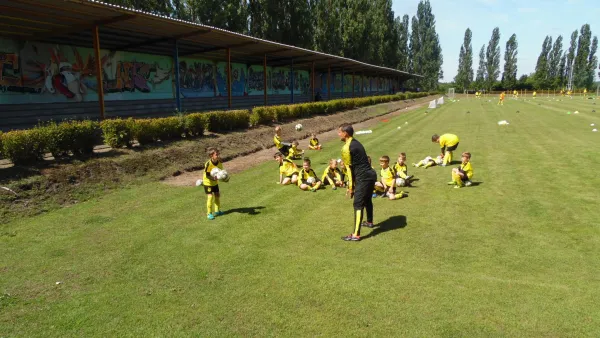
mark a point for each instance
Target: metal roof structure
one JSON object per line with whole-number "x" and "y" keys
{"x": 72, "y": 22}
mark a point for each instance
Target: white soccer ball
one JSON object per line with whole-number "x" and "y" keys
{"x": 400, "y": 182}
{"x": 439, "y": 160}
{"x": 298, "y": 127}
{"x": 223, "y": 176}
{"x": 214, "y": 172}
{"x": 198, "y": 183}
{"x": 310, "y": 180}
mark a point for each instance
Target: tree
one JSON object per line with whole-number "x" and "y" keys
{"x": 580, "y": 66}
{"x": 541, "y": 68}
{"x": 561, "y": 78}
{"x": 493, "y": 58}
{"x": 464, "y": 75}
{"x": 414, "y": 51}
{"x": 328, "y": 26}
{"x": 481, "y": 70}
{"x": 570, "y": 59}
{"x": 554, "y": 60}
{"x": 509, "y": 77}
{"x": 592, "y": 63}
{"x": 357, "y": 30}
{"x": 425, "y": 49}
{"x": 403, "y": 37}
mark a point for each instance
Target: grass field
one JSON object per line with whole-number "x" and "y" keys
{"x": 516, "y": 255}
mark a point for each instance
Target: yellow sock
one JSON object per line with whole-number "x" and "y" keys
{"x": 429, "y": 164}
{"x": 217, "y": 203}
{"x": 447, "y": 157}
{"x": 399, "y": 196}
{"x": 379, "y": 189}
{"x": 209, "y": 204}
{"x": 357, "y": 221}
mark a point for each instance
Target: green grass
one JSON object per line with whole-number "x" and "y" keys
{"x": 516, "y": 255}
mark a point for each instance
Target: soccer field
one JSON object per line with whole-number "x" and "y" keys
{"x": 515, "y": 255}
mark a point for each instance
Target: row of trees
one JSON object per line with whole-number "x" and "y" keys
{"x": 555, "y": 68}
{"x": 364, "y": 30}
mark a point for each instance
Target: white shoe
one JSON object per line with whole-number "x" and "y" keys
{"x": 468, "y": 183}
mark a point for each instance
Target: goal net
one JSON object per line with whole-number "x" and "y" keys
{"x": 451, "y": 93}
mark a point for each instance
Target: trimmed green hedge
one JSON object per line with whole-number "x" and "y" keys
{"x": 79, "y": 137}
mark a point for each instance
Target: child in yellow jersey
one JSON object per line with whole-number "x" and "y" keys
{"x": 429, "y": 162}
{"x": 387, "y": 185}
{"x": 281, "y": 146}
{"x": 569, "y": 93}
{"x": 332, "y": 175}
{"x": 211, "y": 184}
{"x": 343, "y": 171}
{"x": 295, "y": 153}
{"x": 448, "y": 144}
{"x": 402, "y": 177}
{"x": 313, "y": 143}
{"x": 288, "y": 171}
{"x": 501, "y": 101}
{"x": 534, "y": 94}
{"x": 462, "y": 175}
{"x": 308, "y": 179}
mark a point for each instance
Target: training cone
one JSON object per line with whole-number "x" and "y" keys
{"x": 568, "y": 113}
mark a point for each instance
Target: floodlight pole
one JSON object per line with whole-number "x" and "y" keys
{"x": 96, "y": 32}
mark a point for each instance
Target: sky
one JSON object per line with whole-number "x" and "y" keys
{"x": 530, "y": 20}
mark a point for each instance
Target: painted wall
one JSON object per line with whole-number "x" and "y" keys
{"x": 42, "y": 73}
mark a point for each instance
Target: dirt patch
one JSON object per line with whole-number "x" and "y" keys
{"x": 317, "y": 124}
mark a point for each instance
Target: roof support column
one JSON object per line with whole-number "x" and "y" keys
{"x": 229, "y": 77}
{"x": 362, "y": 84}
{"x": 352, "y": 84}
{"x": 292, "y": 80}
{"x": 177, "y": 76}
{"x": 343, "y": 83}
{"x": 328, "y": 84}
{"x": 312, "y": 80}
{"x": 265, "y": 78}
{"x": 100, "y": 90}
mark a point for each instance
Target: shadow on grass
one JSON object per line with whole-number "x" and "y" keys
{"x": 392, "y": 223}
{"x": 249, "y": 211}
{"x": 474, "y": 184}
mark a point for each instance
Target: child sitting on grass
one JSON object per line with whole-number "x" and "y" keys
{"x": 281, "y": 146}
{"x": 288, "y": 171}
{"x": 314, "y": 142}
{"x": 429, "y": 162}
{"x": 332, "y": 175}
{"x": 294, "y": 152}
{"x": 403, "y": 179}
{"x": 387, "y": 185}
{"x": 462, "y": 175}
{"x": 308, "y": 178}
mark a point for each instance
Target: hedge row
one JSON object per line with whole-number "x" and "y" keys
{"x": 77, "y": 138}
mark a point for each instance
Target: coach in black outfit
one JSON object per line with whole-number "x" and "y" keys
{"x": 361, "y": 179}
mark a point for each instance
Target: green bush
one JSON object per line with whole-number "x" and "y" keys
{"x": 144, "y": 131}
{"x": 169, "y": 128}
{"x": 24, "y": 146}
{"x": 219, "y": 121}
{"x": 262, "y": 115}
{"x": 76, "y": 137}
{"x": 195, "y": 124}
{"x": 1, "y": 156}
{"x": 118, "y": 133}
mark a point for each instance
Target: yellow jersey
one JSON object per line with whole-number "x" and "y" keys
{"x": 277, "y": 141}
{"x": 314, "y": 142}
{"x": 448, "y": 140}
{"x": 467, "y": 169}
{"x": 294, "y": 153}
{"x": 287, "y": 168}
{"x": 207, "y": 179}
{"x": 305, "y": 174}
{"x": 401, "y": 170}
{"x": 334, "y": 174}
{"x": 388, "y": 175}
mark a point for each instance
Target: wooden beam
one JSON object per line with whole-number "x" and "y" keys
{"x": 328, "y": 84}
{"x": 265, "y": 84}
{"x": 99, "y": 70}
{"x": 163, "y": 39}
{"x": 229, "y": 77}
{"x": 312, "y": 80}
{"x": 214, "y": 49}
{"x": 84, "y": 27}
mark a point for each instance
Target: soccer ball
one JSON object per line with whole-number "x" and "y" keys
{"x": 223, "y": 176}
{"x": 400, "y": 182}
{"x": 298, "y": 127}
{"x": 198, "y": 183}
{"x": 214, "y": 172}
{"x": 310, "y": 180}
{"x": 439, "y": 160}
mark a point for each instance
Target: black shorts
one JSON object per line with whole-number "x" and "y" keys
{"x": 452, "y": 148}
{"x": 210, "y": 190}
{"x": 285, "y": 150}
{"x": 363, "y": 190}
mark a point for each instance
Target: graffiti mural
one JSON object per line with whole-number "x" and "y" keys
{"x": 196, "y": 78}
{"x": 45, "y": 73}
{"x": 238, "y": 79}
{"x": 256, "y": 82}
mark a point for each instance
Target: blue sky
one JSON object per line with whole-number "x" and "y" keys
{"x": 531, "y": 20}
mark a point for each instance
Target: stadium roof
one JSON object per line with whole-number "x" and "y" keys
{"x": 71, "y": 22}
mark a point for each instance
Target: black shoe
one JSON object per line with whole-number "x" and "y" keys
{"x": 369, "y": 225}
{"x": 351, "y": 238}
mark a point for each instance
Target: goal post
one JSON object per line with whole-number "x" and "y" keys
{"x": 451, "y": 93}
